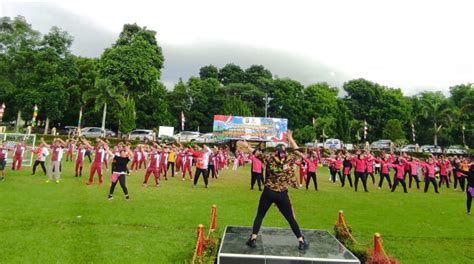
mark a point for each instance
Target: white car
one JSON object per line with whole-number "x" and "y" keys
{"x": 333, "y": 143}
{"x": 96, "y": 132}
{"x": 187, "y": 136}
{"x": 142, "y": 134}
{"x": 409, "y": 148}
{"x": 431, "y": 149}
{"x": 456, "y": 150}
{"x": 206, "y": 138}
{"x": 381, "y": 145}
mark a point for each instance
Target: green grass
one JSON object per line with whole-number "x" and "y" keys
{"x": 39, "y": 222}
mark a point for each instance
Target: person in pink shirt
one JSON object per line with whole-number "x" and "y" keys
{"x": 346, "y": 170}
{"x": 430, "y": 168}
{"x": 399, "y": 176}
{"x": 360, "y": 166}
{"x": 444, "y": 165}
{"x": 164, "y": 161}
{"x": 71, "y": 143}
{"x": 257, "y": 171}
{"x": 369, "y": 160}
{"x": 338, "y": 166}
{"x": 413, "y": 171}
{"x": 312, "y": 162}
{"x": 137, "y": 155}
{"x": 384, "y": 170}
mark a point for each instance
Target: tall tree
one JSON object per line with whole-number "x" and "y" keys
{"x": 105, "y": 94}
{"x": 435, "y": 109}
{"x": 231, "y": 73}
{"x": 393, "y": 130}
{"x": 209, "y": 71}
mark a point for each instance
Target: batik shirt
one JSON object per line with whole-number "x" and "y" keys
{"x": 280, "y": 173}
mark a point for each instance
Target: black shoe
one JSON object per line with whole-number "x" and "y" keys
{"x": 303, "y": 245}
{"x": 251, "y": 242}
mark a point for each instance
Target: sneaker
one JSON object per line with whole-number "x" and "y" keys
{"x": 157, "y": 185}
{"x": 127, "y": 198}
{"x": 145, "y": 185}
{"x": 251, "y": 242}
{"x": 468, "y": 213}
{"x": 88, "y": 183}
{"x": 111, "y": 197}
{"x": 182, "y": 179}
{"x": 303, "y": 245}
{"x": 206, "y": 187}
{"x": 57, "y": 181}
{"x": 194, "y": 186}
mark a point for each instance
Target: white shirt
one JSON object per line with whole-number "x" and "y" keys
{"x": 43, "y": 154}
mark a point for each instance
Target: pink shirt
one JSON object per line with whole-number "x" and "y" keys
{"x": 311, "y": 163}
{"x": 430, "y": 168}
{"x": 359, "y": 164}
{"x": 256, "y": 164}
{"x": 370, "y": 165}
{"x": 400, "y": 170}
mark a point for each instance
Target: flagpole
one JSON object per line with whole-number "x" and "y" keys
{"x": 79, "y": 121}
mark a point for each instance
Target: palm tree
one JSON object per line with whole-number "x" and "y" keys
{"x": 102, "y": 95}
{"x": 438, "y": 112}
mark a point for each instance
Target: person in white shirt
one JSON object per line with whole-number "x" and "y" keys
{"x": 202, "y": 164}
{"x": 54, "y": 170}
{"x": 3, "y": 159}
{"x": 41, "y": 152}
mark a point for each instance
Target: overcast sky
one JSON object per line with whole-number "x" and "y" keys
{"x": 414, "y": 45}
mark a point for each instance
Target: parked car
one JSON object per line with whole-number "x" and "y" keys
{"x": 96, "y": 132}
{"x": 314, "y": 145}
{"x": 381, "y": 145}
{"x": 206, "y": 138}
{"x": 349, "y": 146}
{"x": 187, "y": 136}
{"x": 456, "y": 150}
{"x": 142, "y": 134}
{"x": 409, "y": 148}
{"x": 333, "y": 143}
{"x": 431, "y": 149}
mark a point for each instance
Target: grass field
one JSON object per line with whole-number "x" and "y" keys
{"x": 74, "y": 223}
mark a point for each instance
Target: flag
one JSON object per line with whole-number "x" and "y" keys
{"x": 2, "y": 110}
{"x": 365, "y": 130}
{"x": 35, "y": 114}
{"x": 413, "y": 133}
{"x": 183, "y": 119}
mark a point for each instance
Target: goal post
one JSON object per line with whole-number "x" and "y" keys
{"x": 11, "y": 139}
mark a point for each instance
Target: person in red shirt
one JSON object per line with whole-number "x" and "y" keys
{"x": 153, "y": 165}
{"x": 70, "y": 149}
{"x": 187, "y": 163}
{"x": 202, "y": 164}
{"x": 18, "y": 152}
{"x": 384, "y": 171}
{"x": 143, "y": 159}
{"x": 80, "y": 154}
{"x": 164, "y": 161}
{"x": 99, "y": 157}
{"x": 213, "y": 165}
{"x": 303, "y": 171}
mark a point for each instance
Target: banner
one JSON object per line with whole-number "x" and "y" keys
{"x": 250, "y": 128}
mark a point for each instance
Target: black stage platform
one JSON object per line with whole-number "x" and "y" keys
{"x": 279, "y": 246}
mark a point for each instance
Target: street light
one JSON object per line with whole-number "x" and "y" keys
{"x": 267, "y": 100}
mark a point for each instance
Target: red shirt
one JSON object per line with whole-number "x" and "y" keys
{"x": 99, "y": 155}
{"x": 400, "y": 170}
{"x": 359, "y": 164}
{"x": 55, "y": 154}
{"x": 312, "y": 163}
{"x": 256, "y": 164}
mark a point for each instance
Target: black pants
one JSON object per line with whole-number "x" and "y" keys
{"x": 395, "y": 184}
{"x": 343, "y": 179}
{"x": 371, "y": 174}
{"x": 172, "y": 168}
{"x": 88, "y": 155}
{"x": 37, "y": 162}
{"x": 205, "y": 174}
{"x": 461, "y": 181}
{"x": 256, "y": 177}
{"x": 429, "y": 180}
{"x": 283, "y": 203}
{"x": 385, "y": 176}
{"x": 377, "y": 170}
{"x": 468, "y": 201}
{"x": 121, "y": 179}
{"x": 416, "y": 180}
{"x": 443, "y": 179}
{"x": 309, "y": 176}
{"x": 363, "y": 177}
{"x": 332, "y": 171}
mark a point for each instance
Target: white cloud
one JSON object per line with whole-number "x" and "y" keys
{"x": 409, "y": 44}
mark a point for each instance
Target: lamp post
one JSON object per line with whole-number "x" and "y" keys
{"x": 2, "y": 110}
{"x": 267, "y": 100}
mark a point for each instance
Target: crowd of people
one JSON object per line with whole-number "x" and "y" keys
{"x": 164, "y": 161}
